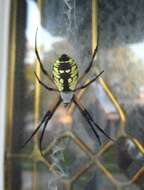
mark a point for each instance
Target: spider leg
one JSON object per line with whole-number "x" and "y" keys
{"x": 45, "y": 120}
{"x": 42, "y": 134}
{"x": 38, "y": 57}
{"x": 90, "y": 64}
{"x": 87, "y": 114}
{"x": 44, "y": 85}
{"x": 98, "y": 127}
{"x": 84, "y": 113}
{"x": 87, "y": 84}
{"x": 35, "y": 131}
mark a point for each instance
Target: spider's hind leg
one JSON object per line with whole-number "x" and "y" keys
{"x": 90, "y": 120}
{"x": 44, "y": 121}
{"x": 36, "y": 130}
{"x": 84, "y": 113}
{"x": 88, "y": 83}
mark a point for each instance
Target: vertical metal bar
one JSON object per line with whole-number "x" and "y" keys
{"x": 102, "y": 82}
{"x": 34, "y": 177}
{"x": 36, "y": 119}
{"x": 10, "y": 92}
{"x": 11, "y": 75}
{"x": 37, "y": 93}
{"x": 94, "y": 24}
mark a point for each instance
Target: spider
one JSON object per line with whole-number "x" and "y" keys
{"x": 66, "y": 78}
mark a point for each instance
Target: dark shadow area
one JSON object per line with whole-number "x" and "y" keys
{"x": 120, "y": 22}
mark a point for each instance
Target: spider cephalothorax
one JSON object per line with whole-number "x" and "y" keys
{"x": 65, "y": 77}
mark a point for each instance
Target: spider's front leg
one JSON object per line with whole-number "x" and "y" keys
{"x": 39, "y": 60}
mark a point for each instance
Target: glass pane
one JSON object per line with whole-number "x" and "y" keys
{"x": 65, "y": 152}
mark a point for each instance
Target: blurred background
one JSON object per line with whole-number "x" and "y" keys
{"x": 72, "y": 158}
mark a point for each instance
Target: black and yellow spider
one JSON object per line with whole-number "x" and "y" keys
{"x": 65, "y": 76}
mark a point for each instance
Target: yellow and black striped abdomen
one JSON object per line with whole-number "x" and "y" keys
{"x": 65, "y": 73}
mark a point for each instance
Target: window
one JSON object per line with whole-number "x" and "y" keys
{"x": 72, "y": 157}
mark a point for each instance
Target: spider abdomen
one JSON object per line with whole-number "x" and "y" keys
{"x": 65, "y": 73}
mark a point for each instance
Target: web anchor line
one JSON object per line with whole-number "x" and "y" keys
{"x": 69, "y": 12}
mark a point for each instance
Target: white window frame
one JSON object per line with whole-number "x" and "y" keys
{"x": 4, "y": 40}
